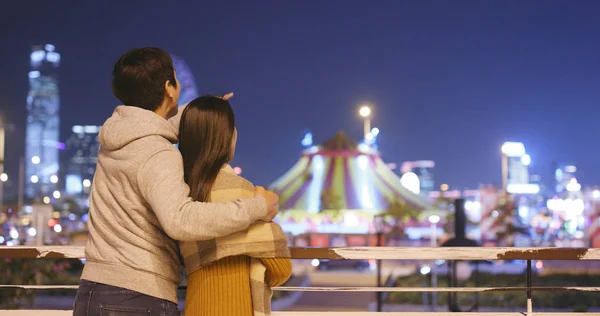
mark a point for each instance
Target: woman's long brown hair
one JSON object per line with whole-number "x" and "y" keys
{"x": 205, "y": 134}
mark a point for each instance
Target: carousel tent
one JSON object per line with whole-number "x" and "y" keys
{"x": 339, "y": 172}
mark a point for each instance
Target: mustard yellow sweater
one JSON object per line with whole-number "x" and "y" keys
{"x": 223, "y": 288}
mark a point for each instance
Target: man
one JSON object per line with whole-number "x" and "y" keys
{"x": 139, "y": 204}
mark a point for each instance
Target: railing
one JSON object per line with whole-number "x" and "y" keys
{"x": 363, "y": 253}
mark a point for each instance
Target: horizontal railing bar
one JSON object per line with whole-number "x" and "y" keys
{"x": 437, "y": 289}
{"x": 324, "y": 313}
{"x": 447, "y": 253}
{"x": 40, "y": 287}
{"x": 369, "y": 289}
{"x": 327, "y": 313}
{"x": 362, "y": 253}
{"x": 50, "y": 252}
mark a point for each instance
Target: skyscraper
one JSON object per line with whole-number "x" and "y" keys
{"x": 563, "y": 174}
{"x": 515, "y": 169}
{"x": 42, "y": 130}
{"x": 81, "y": 156}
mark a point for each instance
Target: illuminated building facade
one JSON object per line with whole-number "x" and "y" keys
{"x": 81, "y": 155}
{"x": 42, "y": 130}
{"x": 515, "y": 169}
{"x": 563, "y": 175}
{"x": 424, "y": 171}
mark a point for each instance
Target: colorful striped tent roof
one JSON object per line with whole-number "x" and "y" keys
{"x": 352, "y": 176}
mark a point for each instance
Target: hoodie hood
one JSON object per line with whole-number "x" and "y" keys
{"x": 130, "y": 123}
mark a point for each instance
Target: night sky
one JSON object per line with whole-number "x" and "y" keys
{"x": 450, "y": 80}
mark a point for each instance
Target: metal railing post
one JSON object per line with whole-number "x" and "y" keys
{"x": 379, "y": 294}
{"x": 529, "y": 304}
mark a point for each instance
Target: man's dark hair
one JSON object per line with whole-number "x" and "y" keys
{"x": 139, "y": 77}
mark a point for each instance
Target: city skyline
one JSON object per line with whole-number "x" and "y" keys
{"x": 448, "y": 82}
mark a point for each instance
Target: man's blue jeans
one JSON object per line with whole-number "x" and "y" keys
{"x": 95, "y": 299}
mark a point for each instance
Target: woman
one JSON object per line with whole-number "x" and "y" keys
{"x": 232, "y": 275}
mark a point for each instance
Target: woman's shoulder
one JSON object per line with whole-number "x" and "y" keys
{"x": 227, "y": 179}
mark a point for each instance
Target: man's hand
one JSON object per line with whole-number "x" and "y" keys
{"x": 272, "y": 202}
{"x": 227, "y": 96}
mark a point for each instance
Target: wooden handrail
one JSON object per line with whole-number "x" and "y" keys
{"x": 363, "y": 253}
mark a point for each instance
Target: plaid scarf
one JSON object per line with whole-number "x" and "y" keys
{"x": 260, "y": 240}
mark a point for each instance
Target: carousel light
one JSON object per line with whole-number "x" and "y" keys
{"x": 363, "y": 162}
{"x": 316, "y": 185}
{"x": 351, "y": 220}
{"x": 434, "y": 219}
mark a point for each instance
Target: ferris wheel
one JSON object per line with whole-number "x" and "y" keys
{"x": 188, "y": 85}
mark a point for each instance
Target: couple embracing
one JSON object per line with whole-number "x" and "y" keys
{"x": 154, "y": 207}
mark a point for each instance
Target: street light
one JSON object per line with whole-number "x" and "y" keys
{"x": 3, "y": 177}
{"x": 34, "y": 179}
{"x": 378, "y": 224}
{"x": 56, "y": 194}
{"x": 87, "y": 183}
{"x": 35, "y": 160}
{"x": 365, "y": 112}
{"x": 54, "y": 178}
